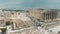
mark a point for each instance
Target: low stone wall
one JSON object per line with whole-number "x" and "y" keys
{"x": 31, "y": 30}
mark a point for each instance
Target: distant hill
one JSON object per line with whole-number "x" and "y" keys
{"x": 13, "y": 10}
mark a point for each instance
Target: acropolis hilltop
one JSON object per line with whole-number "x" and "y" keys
{"x": 34, "y": 21}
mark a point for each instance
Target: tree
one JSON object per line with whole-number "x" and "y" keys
{"x": 8, "y": 23}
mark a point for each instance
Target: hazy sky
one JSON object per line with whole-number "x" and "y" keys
{"x": 26, "y": 4}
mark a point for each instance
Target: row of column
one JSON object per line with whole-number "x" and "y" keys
{"x": 51, "y": 15}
